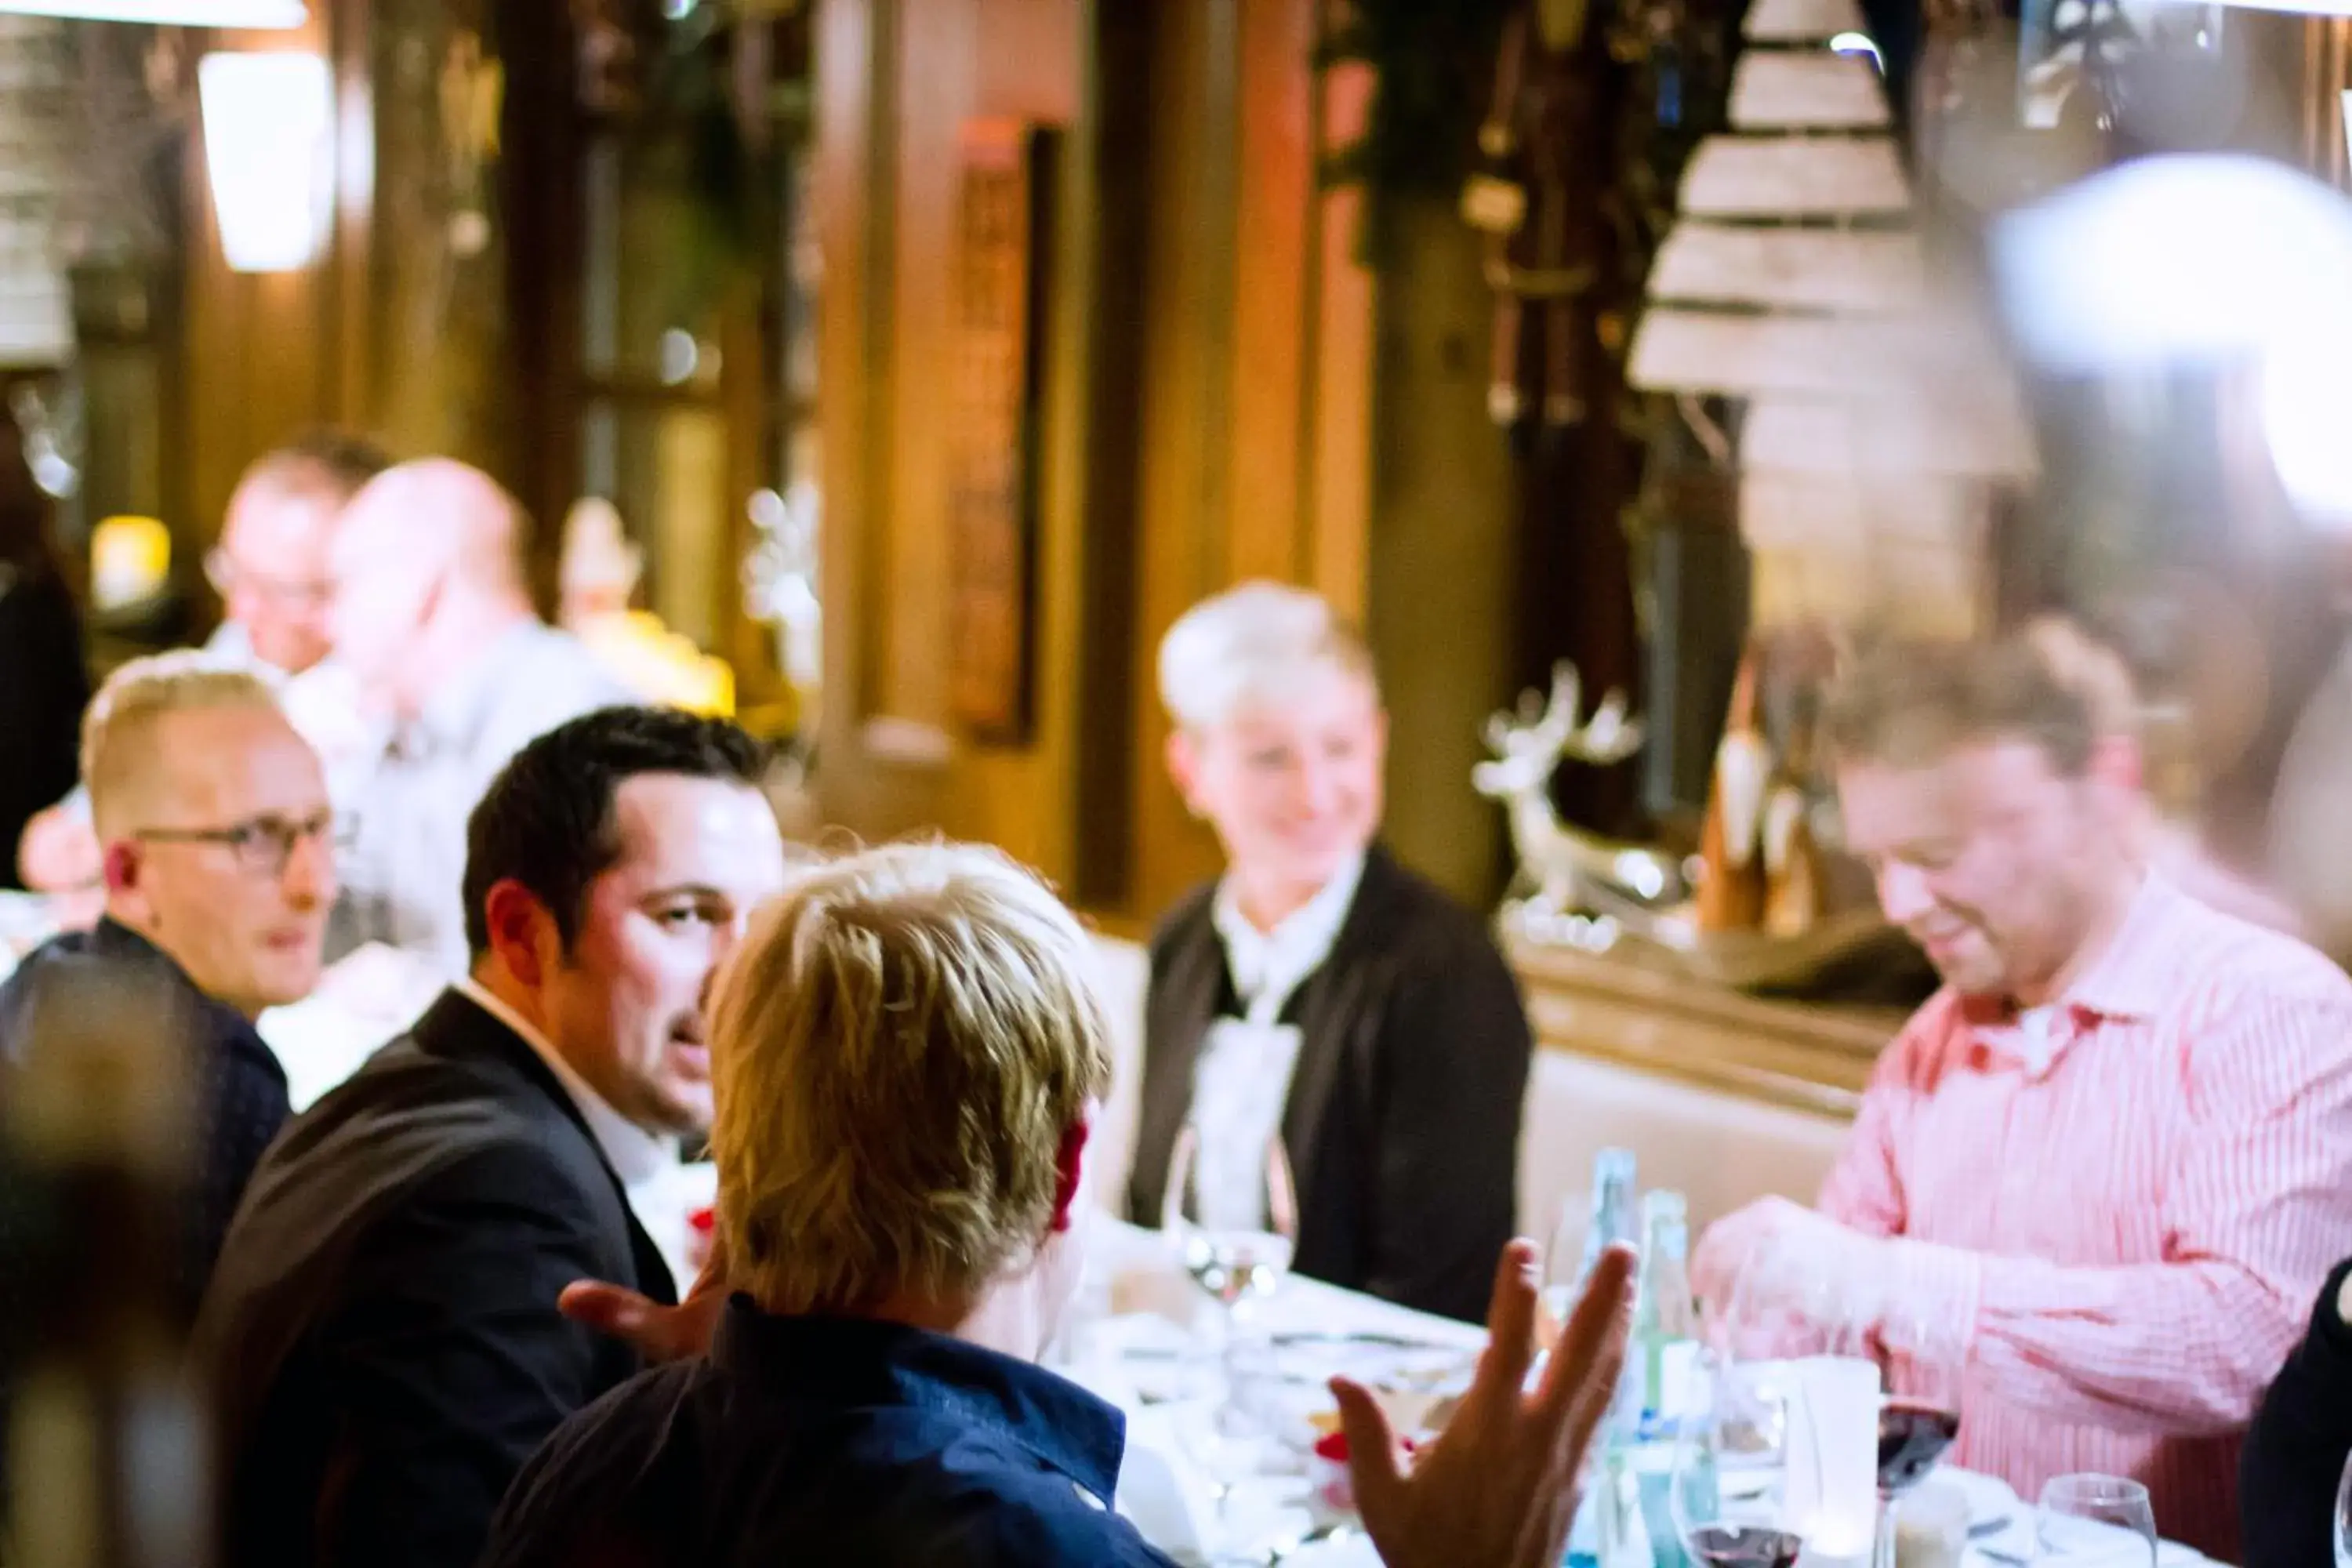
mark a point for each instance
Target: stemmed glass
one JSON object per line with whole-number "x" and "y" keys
{"x": 1920, "y": 1359}
{"x": 2095, "y": 1518}
{"x": 1234, "y": 1224}
{"x": 1729, "y": 1496}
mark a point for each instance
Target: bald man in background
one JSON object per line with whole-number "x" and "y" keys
{"x": 432, "y": 615}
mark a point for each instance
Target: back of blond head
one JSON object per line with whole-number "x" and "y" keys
{"x": 120, "y": 760}
{"x": 900, "y": 1047}
{"x": 1252, "y": 644}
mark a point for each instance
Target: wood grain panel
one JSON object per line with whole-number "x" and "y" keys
{"x": 937, "y": 72}
{"x": 1343, "y": 324}
{"x": 1273, "y": 234}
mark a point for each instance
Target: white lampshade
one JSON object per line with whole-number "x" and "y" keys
{"x": 268, "y": 127}
{"x": 254, "y": 13}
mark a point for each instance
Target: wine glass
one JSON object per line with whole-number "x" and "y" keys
{"x": 1231, "y": 1212}
{"x": 2343, "y": 1534}
{"x": 2104, "y": 1520}
{"x": 1730, "y": 1493}
{"x": 1232, "y": 1215}
{"x": 1920, "y": 1361}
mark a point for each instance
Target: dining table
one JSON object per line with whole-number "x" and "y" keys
{"x": 1148, "y": 1339}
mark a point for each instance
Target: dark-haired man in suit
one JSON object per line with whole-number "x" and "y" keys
{"x": 382, "y": 1330}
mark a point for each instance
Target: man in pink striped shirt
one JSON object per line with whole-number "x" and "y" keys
{"x": 2113, "y": 1155}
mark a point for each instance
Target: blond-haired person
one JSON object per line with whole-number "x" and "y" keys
{"x": 909, "y": 1055}
{"x": 1318, "y": 987}
{"x": 216, "y": 842}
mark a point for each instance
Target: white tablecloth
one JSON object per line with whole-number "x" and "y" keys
{"x": 1158, "y": 1313}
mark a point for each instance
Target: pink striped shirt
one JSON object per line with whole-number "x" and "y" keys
{"x": 2132, "y": 1234}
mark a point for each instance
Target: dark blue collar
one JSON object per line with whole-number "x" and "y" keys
{"x": 861, "y": 1362}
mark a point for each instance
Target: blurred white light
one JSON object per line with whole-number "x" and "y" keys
{"x": 2217, "y": 261}
{"x": 267, "y": 153}
{"x": 2296, "y": 7}
{"x": 1859, "y": 44}
{"x": 679, "y": 356}
{"x": 768, "y": 511}
{"x": 256, "y": 13}
{"x": 2345, "y": 113}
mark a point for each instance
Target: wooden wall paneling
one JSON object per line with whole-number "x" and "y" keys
{"x": 852, "y": 180}
{"x": 1342, "y": 315}
{"x": 897, "y": 81}
{"x": 1273, "y": 240}
{"x": 936, "y": 66}
{"x": 1028, "y": 66}
{"x": 1182, "y": 554}
{"x": 1109, "y": 262}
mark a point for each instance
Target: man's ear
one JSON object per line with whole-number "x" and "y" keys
{"x": 523, "y": 934}
{"x": 1070, "y": 1169}
{"x": 1182, "y": 754}
{"x": 120, "y": 866}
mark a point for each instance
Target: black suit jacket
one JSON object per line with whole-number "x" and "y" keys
{"x": 44, "y": 685}
{"x": 1403, "y": 1124}
{"x": 380, "y": 1332}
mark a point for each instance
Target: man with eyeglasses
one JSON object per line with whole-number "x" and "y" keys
{"x": 219, "y": 871}
{"x": 270, "y": 571}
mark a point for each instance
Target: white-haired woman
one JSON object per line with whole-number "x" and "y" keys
{"x": 1317, "y": 986}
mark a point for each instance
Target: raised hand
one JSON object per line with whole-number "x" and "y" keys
{"x": 1497, "y": 1489}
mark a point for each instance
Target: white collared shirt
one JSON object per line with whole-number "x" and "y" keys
{"x": 1267, "y": 966}
{"x": 1241, "y": 1080}
{"x": 638, "y": 1157}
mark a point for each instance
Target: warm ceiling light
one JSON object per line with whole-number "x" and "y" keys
{"x": 266, "y": 14}
{"x": 267, "y": 155}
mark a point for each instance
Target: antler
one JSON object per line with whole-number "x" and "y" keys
{"x": 1608, "y": 736}
{"x": 1558, "y": 726}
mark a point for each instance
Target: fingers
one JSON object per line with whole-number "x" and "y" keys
{"x": 607, "y": 1309}
{"x": 1584, "y": 1365}
{"x": 1374, "y": 1456}
{"x": 1511, "y": 1314}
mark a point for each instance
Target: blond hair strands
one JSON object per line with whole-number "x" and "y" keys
{"x": 118, "y": 754}
{"x": 899, "y": 1045}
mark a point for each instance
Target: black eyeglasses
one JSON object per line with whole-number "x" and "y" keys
{"x": 261, "y": 846}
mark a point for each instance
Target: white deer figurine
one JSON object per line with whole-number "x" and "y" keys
{"x": 1569, "y": 869}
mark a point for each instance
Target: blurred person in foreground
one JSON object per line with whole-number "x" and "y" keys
{"x": 44, "y": 682}
{"x": 1318, "y": 987}
{"x": 270, "y": 571}
{"x": 433, "y": 617}
{"x": 911, "y": 1059}
{"x": 382, "y": 1334}
{"x": 2113, "y": 1155}
{"x": 2300, "y": 1441}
